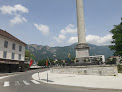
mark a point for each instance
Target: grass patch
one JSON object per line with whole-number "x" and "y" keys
{"x": 120, "y": 71}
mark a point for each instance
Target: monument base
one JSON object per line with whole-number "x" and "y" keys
{"x": 100, "y": 70}
{"x": 82, "y": 51}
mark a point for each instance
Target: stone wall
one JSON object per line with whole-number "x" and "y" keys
{"x": 105, "y": 70}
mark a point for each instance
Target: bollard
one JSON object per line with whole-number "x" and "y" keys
{"x": 100, "y": 72}
{"x": 38, "y": 75}
{"x": 47, "y": 77}
{"x": 85, "y": 72}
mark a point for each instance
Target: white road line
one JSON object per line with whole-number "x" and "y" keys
{"x": 6, "y": 84}
{"x": 17, "y": 83}
{"x": 36, "y": 82}
{"x": 26, "y": 82}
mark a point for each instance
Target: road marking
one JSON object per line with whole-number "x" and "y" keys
{"x": 17, "y": 83}
{"x": 35, "y": 82}
{"x": 26, "y": 82}
{"x": 6, "y": 84}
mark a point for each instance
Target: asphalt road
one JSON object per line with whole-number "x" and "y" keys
{"x": 23, "y": 82}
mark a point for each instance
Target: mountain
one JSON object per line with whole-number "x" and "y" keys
{"x": 42, "y": 52}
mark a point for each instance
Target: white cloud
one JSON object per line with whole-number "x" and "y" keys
{"x": 60, "y": 38}
{"x": 68, "y": 30}
{"x": 18, "y": 20}
{"x": 13, "y": 10}
{"x": 97, "y": 40}
{"x": 93, "y": 39}
{"x": 73, "y": 40}
{"x": 43, "y": 28}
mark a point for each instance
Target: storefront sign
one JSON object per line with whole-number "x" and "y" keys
{"x": 9, "y": 62}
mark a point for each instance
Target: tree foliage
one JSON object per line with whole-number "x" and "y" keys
{"x": 111, "y": 61}
{"x": 43, "y": 62}
{"x": 28, "y": 55}
{"x": 117, "y": 39}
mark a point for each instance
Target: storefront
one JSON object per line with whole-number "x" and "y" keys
{"x": 7, "y": 65}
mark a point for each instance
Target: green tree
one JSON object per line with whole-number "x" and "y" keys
{"x": 117, "y": 39}
{"x": 111, "y": 61}
{"x": 28, "y": 55}
{"x": 42, "y": 62}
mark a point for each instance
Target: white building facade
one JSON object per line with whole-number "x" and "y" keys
{"x": 12, "y": 50}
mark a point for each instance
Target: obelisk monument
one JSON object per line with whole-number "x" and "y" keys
{"x": 82, "y": 49}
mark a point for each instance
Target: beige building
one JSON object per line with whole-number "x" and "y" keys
{"x": 12, "y": 51}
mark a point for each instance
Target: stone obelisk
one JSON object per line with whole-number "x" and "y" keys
{"x": 82, "y": 49}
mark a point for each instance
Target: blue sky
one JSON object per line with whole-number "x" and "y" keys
{"x": 54, "y": 22}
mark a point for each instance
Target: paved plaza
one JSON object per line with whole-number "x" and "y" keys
{"x": 92, "y": 81}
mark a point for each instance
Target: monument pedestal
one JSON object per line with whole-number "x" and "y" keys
{"x": 82, "y": 51}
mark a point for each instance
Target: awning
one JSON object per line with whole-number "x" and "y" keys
{"x": 9, "y": 61}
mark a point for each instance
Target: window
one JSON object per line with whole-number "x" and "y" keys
{"x": 4, "y": 54}
{"x": 20, "y": 48}
{"x": 19, "y": 56}
{"x": 6, "y": 44}
{"x": 12, "y": 56}
{"x": 13, "y": 46}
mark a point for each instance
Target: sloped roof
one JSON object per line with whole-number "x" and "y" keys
{"x": 8, "y": 35}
